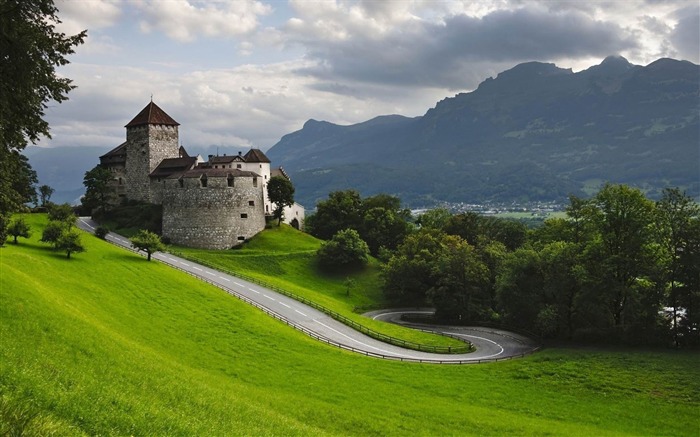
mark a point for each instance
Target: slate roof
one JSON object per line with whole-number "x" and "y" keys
{"x": 224, "y": 159}
{"x": 169, "y": 166}
{"x": 115, "y": 156}
{"x": 256, "y": 155}
{"x": 152, "y": 114}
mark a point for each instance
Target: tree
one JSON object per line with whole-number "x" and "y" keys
{"x": 69, "y": 242}
{"x": 62, "y": 213}
{"x": 342, "y": 210}
{"x": 345, "y": 250}
{"x": 18, "y": 228}
{"x": 383, "y": 227}
{"x": 31, "y": 50}
{"x": 45, "y": 193}
{"x": 676, "y": 214}
{"x": 3, "y": 229}
{"x": 461, "y": 291}
{"x": 17, "y": 181}
{"x": 148, "y": 242}
{"x": 434, "y": 219}
{"x": 98, "y": 192}
{"x": 52, "y": 232}
{"x": 280, "y": 191}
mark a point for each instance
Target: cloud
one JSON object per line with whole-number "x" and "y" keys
{"x": 685, "y": 36}
{"x": 185, "y": 21}
{"x": 442, "y": 53}
{"x": 77, "y": 16}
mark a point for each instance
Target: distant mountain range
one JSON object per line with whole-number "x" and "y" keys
{"x": 535, "y": 132}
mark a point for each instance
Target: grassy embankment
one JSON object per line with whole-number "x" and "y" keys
{"x": 109, "y": 344}
{"x": 286, "y": 258}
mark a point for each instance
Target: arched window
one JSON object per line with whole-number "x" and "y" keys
{"x": 181, "y": 182}
{"x": 229, "y": 180}
{"x": 203, "y": 181}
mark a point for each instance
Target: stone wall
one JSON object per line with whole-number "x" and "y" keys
{"x": 147, "y": 146}
{"x": 213, "y": 217}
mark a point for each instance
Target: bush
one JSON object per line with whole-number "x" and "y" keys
{"x": 101, "y": 232}
{"x": 345, "y": 250}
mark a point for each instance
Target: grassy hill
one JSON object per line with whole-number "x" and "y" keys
{"x": 107, "y": 343}
{"x": 284, "y": 257}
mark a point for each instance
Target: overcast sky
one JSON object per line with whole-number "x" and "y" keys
{"x": 244, "y": 73}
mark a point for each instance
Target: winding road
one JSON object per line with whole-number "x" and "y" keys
{"x": 491, "y": 344}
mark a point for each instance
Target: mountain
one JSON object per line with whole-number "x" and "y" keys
{"x": 63, "y": 169}
{"x": 535, "y": 132}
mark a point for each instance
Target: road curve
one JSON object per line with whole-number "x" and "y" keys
{"x": 492, "y": 345}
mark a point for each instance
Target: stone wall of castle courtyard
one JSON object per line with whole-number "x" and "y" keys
{"x": 213, "y": 217}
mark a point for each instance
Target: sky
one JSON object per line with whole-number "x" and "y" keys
{"x": 244, "y": 73}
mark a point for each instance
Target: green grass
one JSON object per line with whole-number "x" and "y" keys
{"x": 286, "y": 258}
{"x": 109, "y": 344}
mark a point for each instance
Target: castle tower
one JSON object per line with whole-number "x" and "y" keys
{"x": 151, "y": 137}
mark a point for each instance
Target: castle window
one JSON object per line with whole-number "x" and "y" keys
{"x": 238, "y": 165}
{"x": 203, "y": 181}
{"x": 251, "y": 203}
{"x": 120, "y": 181}
{"x": 244, "y": 215}
{"x": 255, "y": 182}
{"x": 181, "y": 182}
{"x": 241, "y": 238}
{"x": 229, "y": 180}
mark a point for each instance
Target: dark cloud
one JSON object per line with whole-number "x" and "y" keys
{"x": 443, "y": 54}
{"x": 685, "y": 37}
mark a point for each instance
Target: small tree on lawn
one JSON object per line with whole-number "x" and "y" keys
{"x": 62, "y": 213}
{"x": 345, "y": 250}
{"x": 18, "y": 228}
{"x": 148, "y": 242}
{"x": 69, "y": 242}
{"x": 52, "y": 232}
{"x": 280, "y": 191}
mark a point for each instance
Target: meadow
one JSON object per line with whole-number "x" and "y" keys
{"x": 107, "y": 343}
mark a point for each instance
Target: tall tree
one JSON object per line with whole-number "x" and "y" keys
{"x": 623, "y": 220}
{"x": 98, "y": 192}
{"x": 30, "y": 49}
{"x": 677, "y": 216}
{"x": 45, "y": 193}
{"x": 342, "y": 210}
{"x": 280, "y": 191}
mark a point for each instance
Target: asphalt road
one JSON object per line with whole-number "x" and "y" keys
{"x": 490, "y": 344}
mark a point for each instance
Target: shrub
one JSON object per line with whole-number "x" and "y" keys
{"x": 346, "y": 249}
{"x": 101, "y": 232}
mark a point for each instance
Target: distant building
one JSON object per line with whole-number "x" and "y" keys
{"x": 214, "y": 204}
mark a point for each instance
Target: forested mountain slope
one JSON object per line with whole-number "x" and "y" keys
{"x": 535, "y": 132}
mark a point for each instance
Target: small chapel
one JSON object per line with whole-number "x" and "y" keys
{"x": 214, "y": 204}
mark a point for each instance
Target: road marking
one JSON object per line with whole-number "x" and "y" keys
{"x": 256, "y": 291}
{"x": 271, "y": 298}
{"x": 237, "y": 283}
{"x": 197, "y": 268}
{"x": 480, "y": 338}
{"x": 402, "y": 312}
{"x": 284, "y": 304}
{"x": 393, "y": 354}
{"x": 184, "y": 264}
{"x": 225, "y": 279}
{"x": 301, "y": 313}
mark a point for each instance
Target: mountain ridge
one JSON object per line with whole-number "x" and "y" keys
{"x": 535, "y": 132}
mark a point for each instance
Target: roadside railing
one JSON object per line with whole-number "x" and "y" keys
{"x": 468, "y": 347}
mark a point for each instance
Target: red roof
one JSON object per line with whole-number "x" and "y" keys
{"x": 152, "y": 114}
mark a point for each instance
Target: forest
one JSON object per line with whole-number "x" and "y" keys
{"x": 620, "y": 268}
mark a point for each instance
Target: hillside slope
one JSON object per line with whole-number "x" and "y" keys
{"x": 109, "y": 344}
{"x": 535, "y": 132}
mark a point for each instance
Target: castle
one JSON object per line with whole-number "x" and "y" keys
{"x": 213, "y": 204}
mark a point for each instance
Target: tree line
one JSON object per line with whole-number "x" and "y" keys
{"x": 619, "y": 268}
